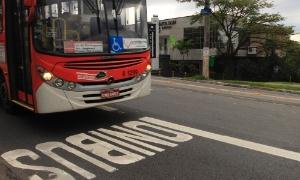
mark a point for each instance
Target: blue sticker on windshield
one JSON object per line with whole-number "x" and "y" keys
{"x": 116, "y": 44}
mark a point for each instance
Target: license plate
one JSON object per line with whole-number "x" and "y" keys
{"x": 108, "y": 94}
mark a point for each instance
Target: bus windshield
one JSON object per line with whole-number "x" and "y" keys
{"x": 86, "y": 26}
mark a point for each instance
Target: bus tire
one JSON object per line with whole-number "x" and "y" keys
{"x": 5, "y": 101}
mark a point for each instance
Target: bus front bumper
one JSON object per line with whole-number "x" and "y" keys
{"x": 52, "y": 100}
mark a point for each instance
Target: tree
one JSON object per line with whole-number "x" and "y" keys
{"x": 292, "y": 61}
{"x": 239, "y": 19}
{"x": 183, "y": 46}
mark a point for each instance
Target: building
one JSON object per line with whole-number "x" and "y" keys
{"x": 181, "y": 29}
{"x": 259, "y": 46}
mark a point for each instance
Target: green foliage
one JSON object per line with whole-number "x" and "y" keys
{"x": 183, "y": 46}
{"x": 238, "y": 19}
{"x": 269, "y": 85}
{"x": 182, "y": 69}
{"x": 292, "y": 60}
{"x": 196, "y": 78}
{"x": 172, "y": 41}
{"x": 272, "y": 68}
{"x": 192, "y": 69}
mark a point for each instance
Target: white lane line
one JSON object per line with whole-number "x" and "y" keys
{"x": 229, "y": 91}
{"x": 228, "y": 140}
{"x": 107, "y": 108}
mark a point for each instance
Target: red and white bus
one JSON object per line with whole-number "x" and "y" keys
{"x": 64, "y": 55}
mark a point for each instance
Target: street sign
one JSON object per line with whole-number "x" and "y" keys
{"x": 206, "y": 52}
{"x": 206, "y": 11}
{"x": 152, "y": 39}
{"x": 116, "y": 44}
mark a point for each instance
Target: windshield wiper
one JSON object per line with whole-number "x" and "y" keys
{"x": 90, "y": 5}
{"x": 115, "y": 16}
{"x": 120, "y": 7}
{"x": 98, "y": 16}
{"x": 94, "y": 10}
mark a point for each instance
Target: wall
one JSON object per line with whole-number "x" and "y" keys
{"x": 177, "y": 30}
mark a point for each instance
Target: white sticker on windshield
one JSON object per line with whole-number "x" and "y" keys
{"x": 83, "y": 46}
{"x": 135, "y": 43}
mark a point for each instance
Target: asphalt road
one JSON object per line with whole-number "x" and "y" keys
{"x": 182, "y": 131}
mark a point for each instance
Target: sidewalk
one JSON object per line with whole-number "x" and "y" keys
{"x": 216, "y": 82}
{"x": 214, "y": 87}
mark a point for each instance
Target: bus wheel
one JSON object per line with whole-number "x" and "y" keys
{"x": 4, "y": 98}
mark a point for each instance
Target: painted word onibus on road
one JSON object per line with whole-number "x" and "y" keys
{"x": 133, "y": 141}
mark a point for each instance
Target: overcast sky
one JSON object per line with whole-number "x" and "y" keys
{"x": 290, "y": 9}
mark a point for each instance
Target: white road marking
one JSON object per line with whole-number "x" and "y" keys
{"x": 178, "y": 137}
{"x": 47, "y": 149}
{"x": 230, "y": 91}
{"x": 124, "y": 144}
{"x": 103, "y": 149}
{"x": 146, "y": 137}
{"x": 156, "y": 131}
{"x": 108, "y": 108}
{"x": 228, "y": 140}
{"x": 137, "y": 139}
{"x": 12, "y": 157}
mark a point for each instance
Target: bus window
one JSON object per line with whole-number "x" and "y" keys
{"x": 70, "y": 7}
{"x": 47, "y": 11}
{"x": 129, "y": 17}
{"x": 77, "y": 20}
{"x": 54, "y": 10}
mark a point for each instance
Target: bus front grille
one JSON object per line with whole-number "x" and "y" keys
{"x": 105, "y": 100}
{"x": 103, "y": 64}
{"x": 96, "y": 98}
{"x": 104, "y": 83}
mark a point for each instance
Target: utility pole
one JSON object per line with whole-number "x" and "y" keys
{"x": 206, "y": 12}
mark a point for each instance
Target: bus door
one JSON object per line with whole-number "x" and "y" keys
{"x": 18, "y": 52}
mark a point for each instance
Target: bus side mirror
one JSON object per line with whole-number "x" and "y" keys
{"x": 30, "y": 4}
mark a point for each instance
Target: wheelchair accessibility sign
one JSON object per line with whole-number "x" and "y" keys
{"x": 116, "y": 44}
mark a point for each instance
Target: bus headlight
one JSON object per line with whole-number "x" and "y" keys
{"x": 56, "y": 82}
{"x": 143, "y": 75}
{"x": 71, "y": 86}
{"x": 139, "y": 78}
{"x": 149, "y": 68}
{"x": 59, "y": 82}
{"x": 47, "y": 76}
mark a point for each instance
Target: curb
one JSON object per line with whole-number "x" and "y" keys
{"x": 261, "y": 88}
{"x": 234, "y": 85}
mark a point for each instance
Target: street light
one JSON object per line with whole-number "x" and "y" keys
{"x": 206, "y": 12}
